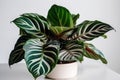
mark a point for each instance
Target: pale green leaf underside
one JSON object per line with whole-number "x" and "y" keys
{"x": 58, "y": 30}
{"x": 92, "y": 52}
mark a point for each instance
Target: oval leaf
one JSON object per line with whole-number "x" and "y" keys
{"x": 92, "y": 52}
{"x": 33, "y": 24}
{"x": 40, "y": 58}
{"x": 71, "y": 51}
{"x": 89, "y": 30}
{"x": 17, "y": 53}
{"x": 60, "y": 16}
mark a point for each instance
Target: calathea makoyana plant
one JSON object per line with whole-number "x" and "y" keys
{"x": 44, "y": 42}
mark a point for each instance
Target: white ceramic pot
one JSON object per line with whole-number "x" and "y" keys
{"x": 62, "y": 71}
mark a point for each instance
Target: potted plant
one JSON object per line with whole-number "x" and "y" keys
{"x": 46, "y": 42}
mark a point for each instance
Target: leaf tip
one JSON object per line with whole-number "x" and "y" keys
{"x": 104, "y": 61}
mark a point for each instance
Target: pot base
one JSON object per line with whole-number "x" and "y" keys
{"x": 63, "y": 71}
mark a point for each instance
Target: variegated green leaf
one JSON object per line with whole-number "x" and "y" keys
{"x": 75, "y": 17}
{"x": 40, "y": 58}
{"x": 17, "y": 53}
{"x": 71, "y": 51}
{"x": 39, "y": 21}
{"x": 92, "y": 52}
{"x": 23, "y": 33}
{"x": 89, "y": 30}
{"x": 60, "y": 16}
{"x": 33, "y": 24}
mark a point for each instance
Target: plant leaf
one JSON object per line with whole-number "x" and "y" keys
{"x": 104, "y": 36}
{"x": 93, "y": 53}
{"x": 17, "y": 53}
{"x": 33, "y": 24}
{"x": 22, "y": 32}
{"x": 59, "y": 30}
{"x": 71, "y": 51}
{"x": 75, "y": 17}
{"x": 40, "y": 58}
{"x": 60, "y": 16}
{"x": 89, "y": 30}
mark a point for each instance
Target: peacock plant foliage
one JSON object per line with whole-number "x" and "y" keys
{"x": 44, "y": 41}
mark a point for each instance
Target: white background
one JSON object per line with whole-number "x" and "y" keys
{"x": 104, "y": 10}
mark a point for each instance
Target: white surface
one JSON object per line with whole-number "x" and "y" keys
{"x": 104, "y": 10}
{"x": 64, "y": 71}
{"x": 86, "y": 72}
